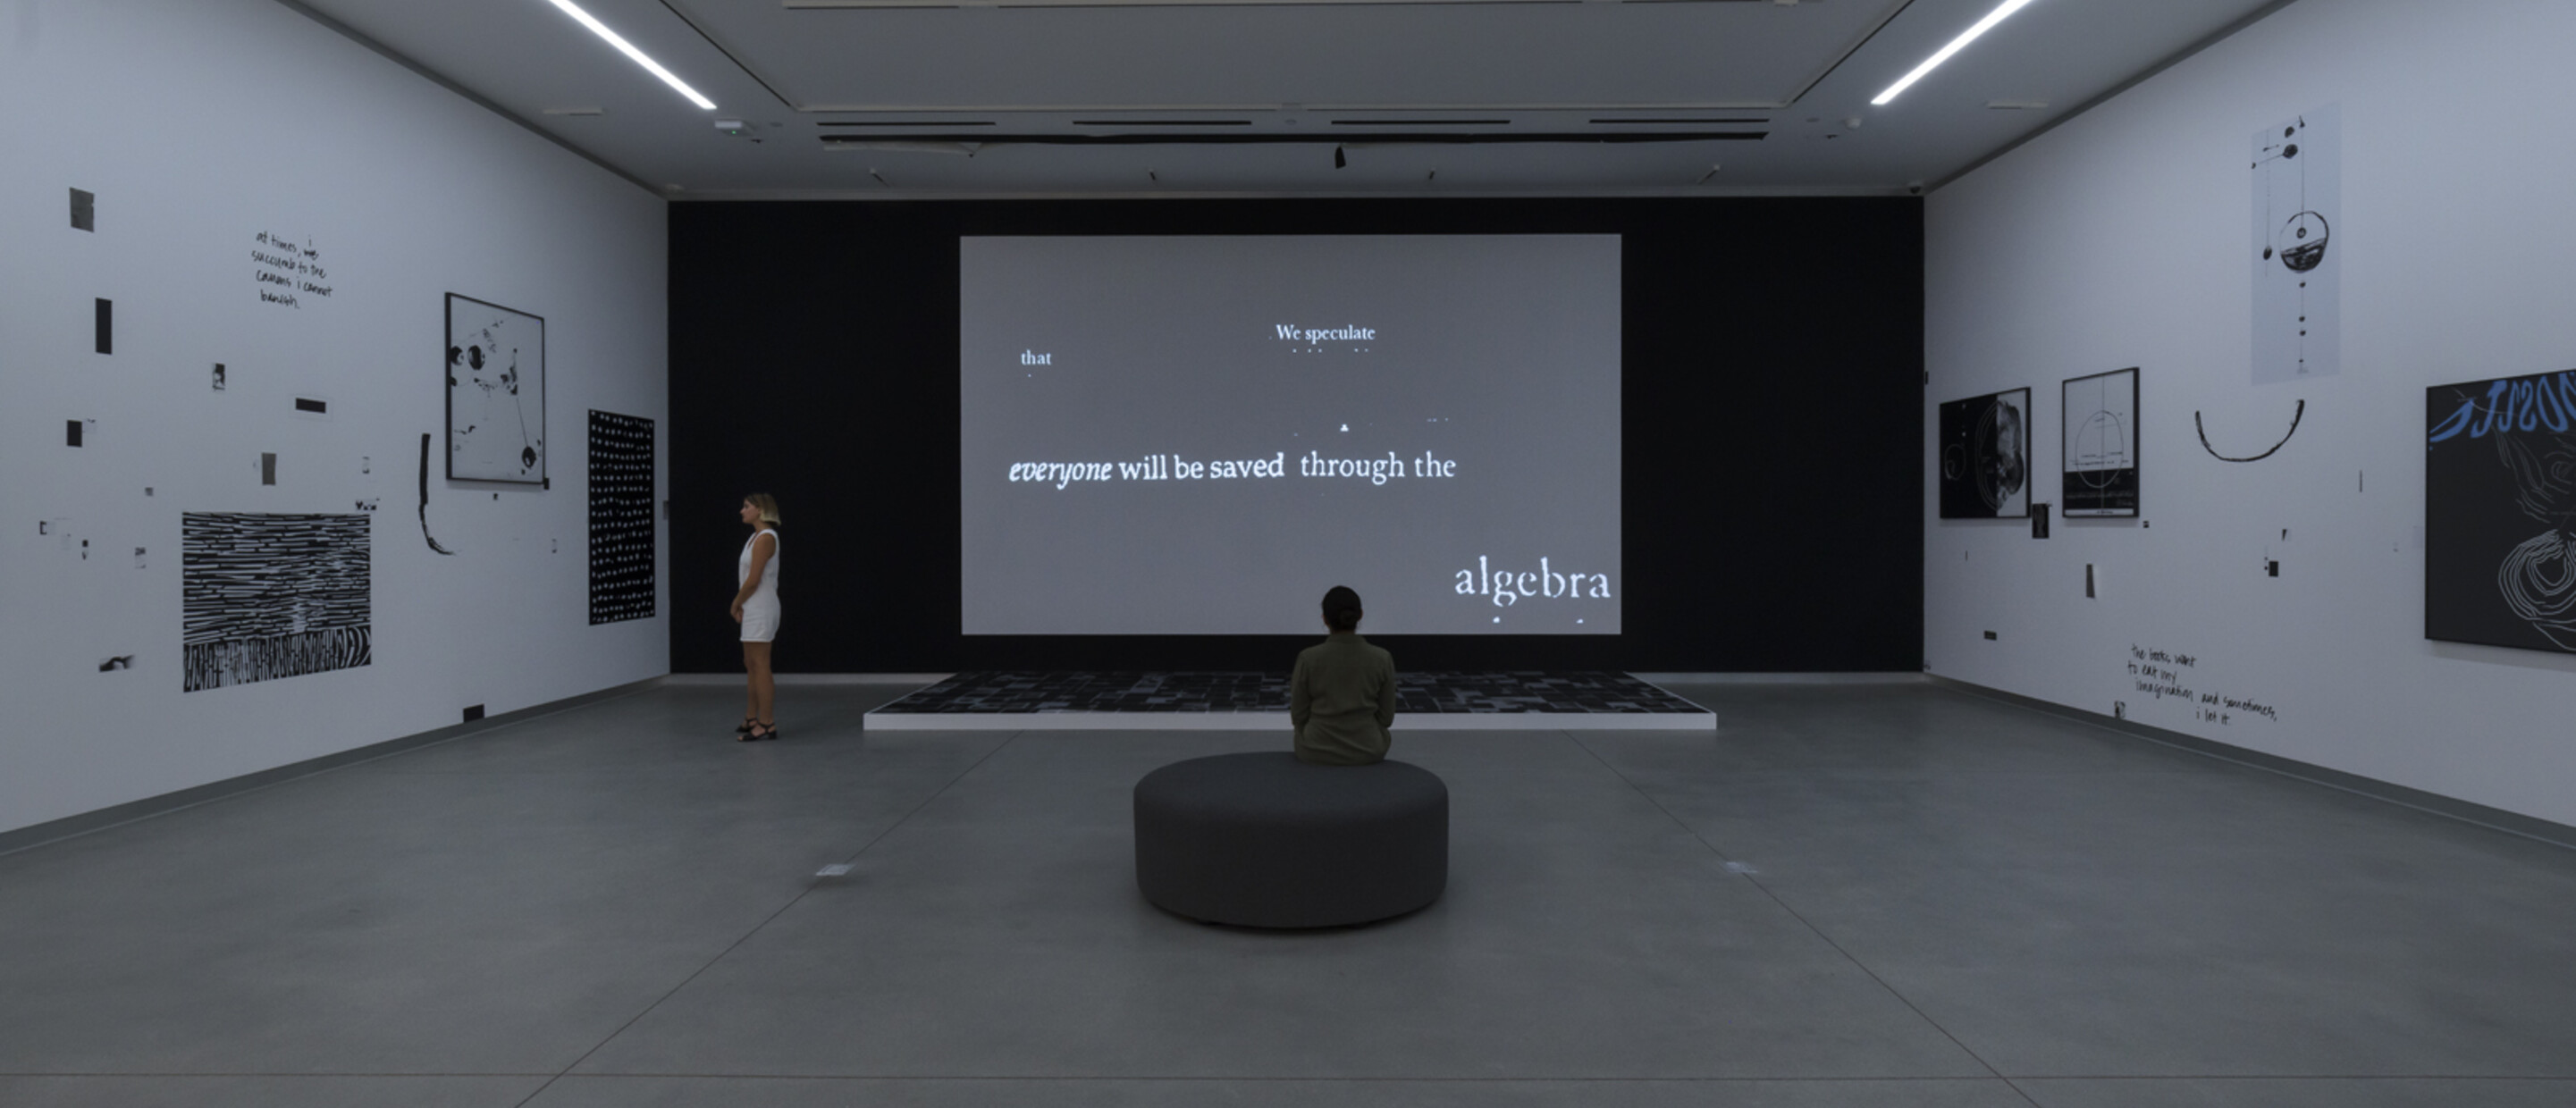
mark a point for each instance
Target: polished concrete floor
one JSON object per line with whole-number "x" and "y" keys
{"x": 1889, "y": 895}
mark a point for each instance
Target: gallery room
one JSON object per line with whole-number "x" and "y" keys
{"x": 1885, "y": 553}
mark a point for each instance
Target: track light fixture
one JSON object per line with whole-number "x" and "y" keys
{"x": 627, "y": 48}
{"x": 1942, "y": 55}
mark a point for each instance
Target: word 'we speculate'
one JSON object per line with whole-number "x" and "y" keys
{"x": 1291, "y": 332}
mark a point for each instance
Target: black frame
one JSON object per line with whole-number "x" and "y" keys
{"x": 2029, "y": 489}
{"x": 544, "y": 456}
{"x": 2066, "y": 498}
{"x": 2498, "y": 514}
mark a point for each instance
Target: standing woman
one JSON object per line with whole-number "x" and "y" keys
{"x": 755, "y": 607}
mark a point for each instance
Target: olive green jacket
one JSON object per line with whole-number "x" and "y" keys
{"x": 1341, "y": 697}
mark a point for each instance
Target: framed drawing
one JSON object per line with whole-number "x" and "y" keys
{"x": 1985, "y": 456}
{"x": 2097, "y": 433}
{"x": 496, "y": 393}
{"x": 2500, "y": 512}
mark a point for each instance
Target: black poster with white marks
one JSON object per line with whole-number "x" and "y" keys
{"x": 2500, "y": 512}
{"x": 621, "y": 517}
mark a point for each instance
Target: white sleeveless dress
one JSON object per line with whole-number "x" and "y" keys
{"x": 760, "y": 613}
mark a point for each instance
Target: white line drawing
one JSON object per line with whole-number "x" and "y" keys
{"x": 2471, "y": 510}
{"x": 2098, "y": 444}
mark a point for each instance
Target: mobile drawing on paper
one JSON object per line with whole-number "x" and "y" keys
{"x": 2298, "y": 271}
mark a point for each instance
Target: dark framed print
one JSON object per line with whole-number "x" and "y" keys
{"x": 1985, "y": 456}
{"x": 2500, "y": 512}
{"x": 496, "y": 393}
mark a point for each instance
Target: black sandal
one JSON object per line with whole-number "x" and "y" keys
{"x": 745, "y": 729}
{"x": 769, "y": 734}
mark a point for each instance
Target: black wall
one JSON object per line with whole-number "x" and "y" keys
{"x": 1772, "y": 434}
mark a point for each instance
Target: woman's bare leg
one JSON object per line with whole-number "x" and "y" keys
{"x": 763, "y": 684}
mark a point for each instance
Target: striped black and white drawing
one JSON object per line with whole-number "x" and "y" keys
{"x": 266, "y": 596}
{"x": 621, "y": 517}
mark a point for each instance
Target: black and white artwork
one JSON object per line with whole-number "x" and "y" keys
{"x": 1985, "y": 456}
{"x": 2298, "y": 267}
{"x": 2500, "y": 512}
{"x": 2097, "y": 433}
{"x": 621, "y": 517}
{"x": 424, "y": 499}
{"x": 265, "y": 596}
{"x": 496, "y": 393}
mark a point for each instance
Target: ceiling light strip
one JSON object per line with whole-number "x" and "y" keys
{"x": 1957, "y": 44}
{"x": 627, "y": 48}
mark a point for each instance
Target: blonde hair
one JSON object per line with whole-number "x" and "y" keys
{"x": 767, "y": 504}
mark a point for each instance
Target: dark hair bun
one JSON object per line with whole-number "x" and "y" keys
{"x": 1342, "y": 608}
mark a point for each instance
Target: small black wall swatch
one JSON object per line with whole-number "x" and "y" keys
{"x": 473, "y": 713}
{"x": 84, "y": 210}
{"x": 71, "y": 432}
{"x": 268, "y": 469}
{"x": 308, "y": 404}
{"x": 106, "y": 326}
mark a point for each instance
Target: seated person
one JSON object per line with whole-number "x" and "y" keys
{"x": 1341, "y": 697}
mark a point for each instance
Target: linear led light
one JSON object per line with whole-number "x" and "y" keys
{"x": 1929, "y": 64}
{"x": 627, "y": 48}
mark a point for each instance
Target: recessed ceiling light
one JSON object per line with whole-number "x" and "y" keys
{"x": 1942, "y": 55}
{"x": 627, "y": 48}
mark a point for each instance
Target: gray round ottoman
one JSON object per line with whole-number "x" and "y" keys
{"x": 1264, "y": 840}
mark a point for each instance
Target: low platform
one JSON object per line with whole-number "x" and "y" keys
{"x": 1092, "y": 701}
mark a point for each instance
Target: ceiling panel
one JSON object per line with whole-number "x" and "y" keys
{"x": 1164, "y": 83}
{"x": 1397, "y": 55}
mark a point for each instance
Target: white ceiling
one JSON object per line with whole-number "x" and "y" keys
{"x": 884, "y": 98}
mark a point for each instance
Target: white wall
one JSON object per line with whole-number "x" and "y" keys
{"x": 2122, "y": 239}
{"x": 200, "y": 124}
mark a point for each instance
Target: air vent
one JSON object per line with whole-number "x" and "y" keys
{"x": 1422, "y": 123}
{"x": 1281, "y": 138}
{"x": 1640, "y": 122}
{"x": 1162, "y": 123}
{"x": 908, "y": 123}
